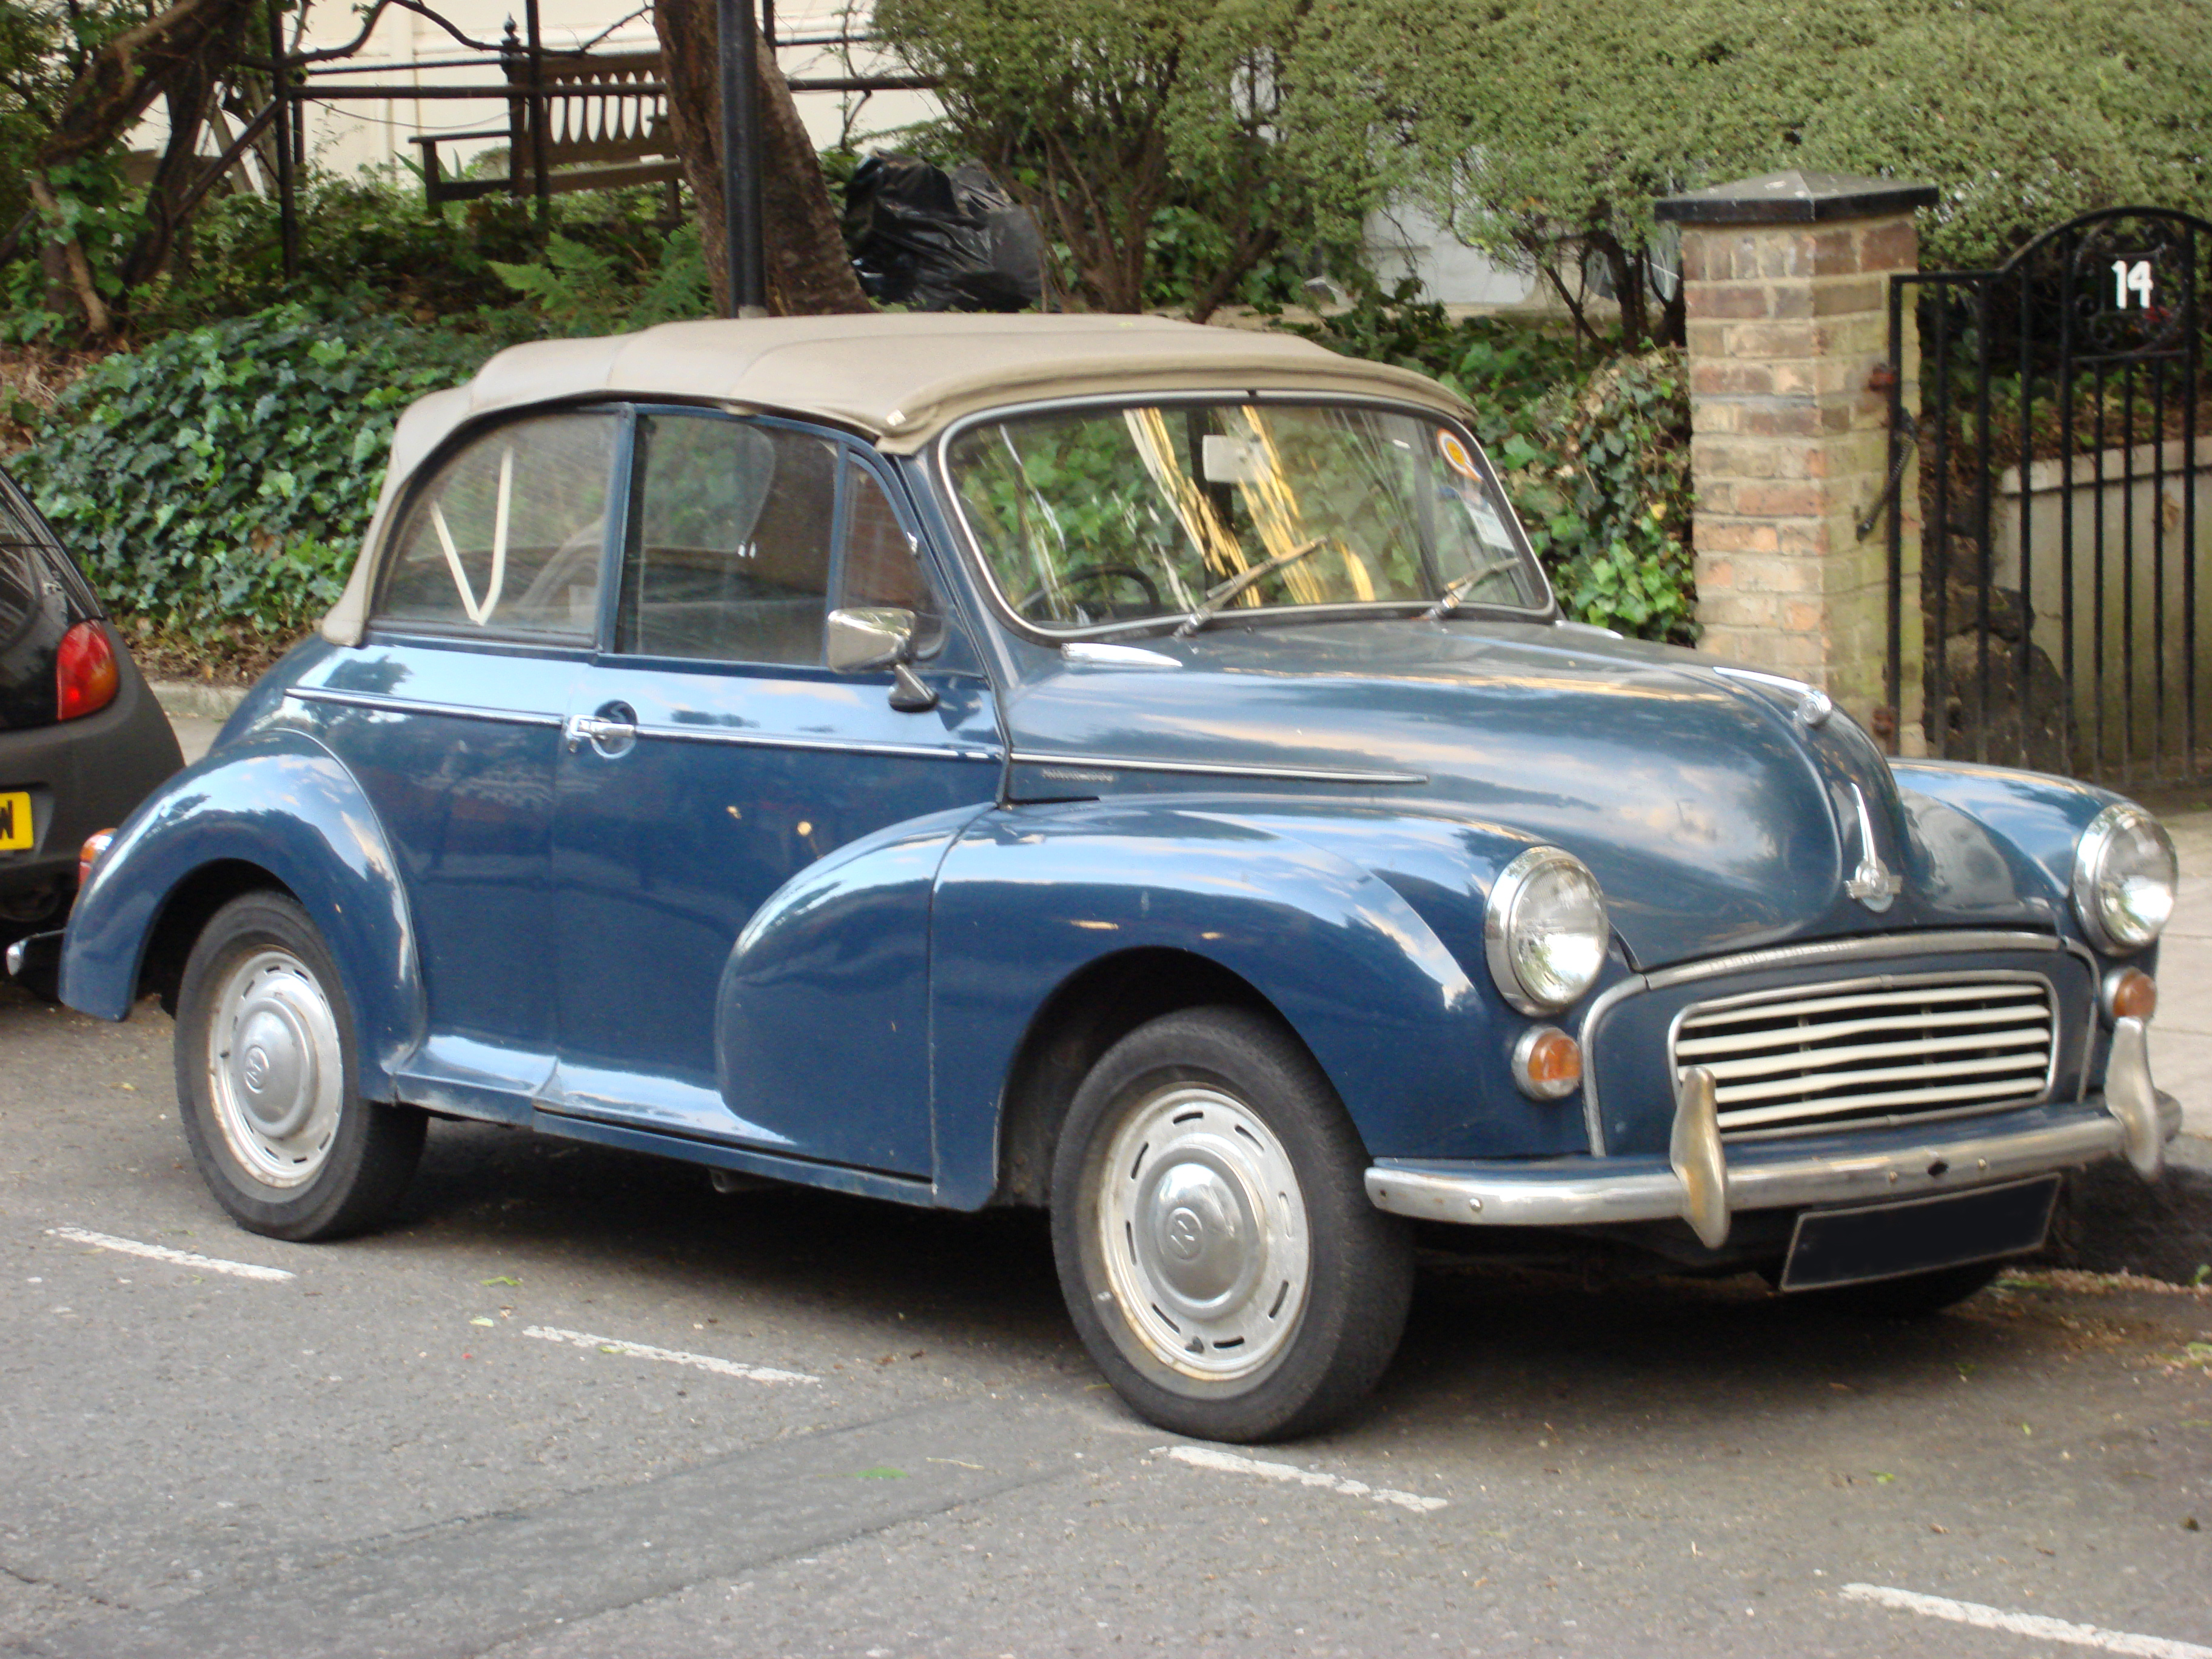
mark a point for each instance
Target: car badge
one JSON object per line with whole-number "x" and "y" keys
{"x": 1872, "y": 884}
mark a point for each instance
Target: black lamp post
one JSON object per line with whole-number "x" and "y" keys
{"x": 741, "y": 158}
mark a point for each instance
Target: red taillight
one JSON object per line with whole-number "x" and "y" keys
{"x": 88, "y": 854}
{"x": 85, "y": 678}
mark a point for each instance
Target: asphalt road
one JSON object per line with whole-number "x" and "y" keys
{"x": 574, "y": 1403}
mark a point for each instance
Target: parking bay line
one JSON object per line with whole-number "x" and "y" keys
{"x": 704, "y": 1362}
{"x": 1205, "y": 1457}
{"x": 162, "y": 1253}
{"x": 2025, "y": 1624}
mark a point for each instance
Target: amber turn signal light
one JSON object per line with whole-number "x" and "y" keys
{"x": 1547, "y": 1063}
{"x": 88, "y": 854}
{"x": 2130, "y": 993}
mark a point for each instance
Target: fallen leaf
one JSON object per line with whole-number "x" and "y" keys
{"x": 1882, "y": 1479}
{"x": 885, "y": 1474}
{"x": 516, "y": 1284}
{"x": 480, "y": 1321}
{"x": 1932, "y": 1527}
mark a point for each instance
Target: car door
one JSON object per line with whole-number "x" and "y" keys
{"x": 449, "y": 714}
{"x": 712, "y": 758}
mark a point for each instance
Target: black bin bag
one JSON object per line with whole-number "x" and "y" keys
{"x": 936, "y": 241}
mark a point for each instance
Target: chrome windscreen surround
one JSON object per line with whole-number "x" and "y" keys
{"x": 1877, "y": 1051}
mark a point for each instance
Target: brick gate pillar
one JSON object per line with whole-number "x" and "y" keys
{"x": 1787, "y": 297}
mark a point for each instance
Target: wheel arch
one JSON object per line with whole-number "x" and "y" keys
{"x": 1087, "y": 1013}
{"x": 278, "y": 811}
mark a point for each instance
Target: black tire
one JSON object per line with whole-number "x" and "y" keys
{"x": 259, "y": 975}
{"x": 1910, "y": 1295}
{"x": 1274, "y": 1334}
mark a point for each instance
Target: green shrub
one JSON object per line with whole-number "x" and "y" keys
{"x": 580, "y": 288}
{"x": 1595, "y": 458}
{"x": 221, "y": 478}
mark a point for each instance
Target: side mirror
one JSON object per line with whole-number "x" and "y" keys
{"x": 864, "y": 640}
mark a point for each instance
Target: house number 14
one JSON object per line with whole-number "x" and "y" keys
{"x": 2130, "y": 279}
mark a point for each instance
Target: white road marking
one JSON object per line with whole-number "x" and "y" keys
{"x": 673, "y": 1356}
{"x": 163, "y": 1253}
{"x": 1230, "y": 1463}
{"x": 2025, "y": 1623}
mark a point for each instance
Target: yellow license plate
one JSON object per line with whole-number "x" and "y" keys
{"x": 14, "y": 821}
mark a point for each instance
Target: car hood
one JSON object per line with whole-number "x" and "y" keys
{"x": 1715, "y": 818}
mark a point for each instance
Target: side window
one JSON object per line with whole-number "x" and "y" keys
{"x": 730, "y": 559}
{"x": 881, "y": 565}
{"x": 507, "y": 537}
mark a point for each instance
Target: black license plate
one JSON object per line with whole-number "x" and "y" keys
{"x": 1881, "y": 1241}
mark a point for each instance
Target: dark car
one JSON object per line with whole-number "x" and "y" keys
{"x": 1128, "y": 767}
{"x": 81, "y": 740}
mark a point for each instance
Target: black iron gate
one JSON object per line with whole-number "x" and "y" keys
{"x": 2064, "y": 435}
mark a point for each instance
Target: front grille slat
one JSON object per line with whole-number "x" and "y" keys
{"x": 1820, "y": 1058}
{"x": 1802, "y": 1061}
{"x": 1693, "y": 1051}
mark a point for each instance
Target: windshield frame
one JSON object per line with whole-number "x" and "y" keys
{"x": 956, "y": 513}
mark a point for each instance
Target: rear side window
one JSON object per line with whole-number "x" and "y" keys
{"x": 507, "y": 537}
{"x": 731, "y": 559}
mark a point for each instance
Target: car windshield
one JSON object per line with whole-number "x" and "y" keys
{"x": 1129, "y": 516}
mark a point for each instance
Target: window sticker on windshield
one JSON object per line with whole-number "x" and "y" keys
{"x": 1487, "y": 524}
{"x": 1453, "y": 448}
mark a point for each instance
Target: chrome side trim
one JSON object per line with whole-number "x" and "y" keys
{"x": 1220, "y": 768}
{"x": 1099, "y": 653}
{"x": 1580, "y": 1192}
{"x": 386, "y": 705}
{"x": 832, "y": 745}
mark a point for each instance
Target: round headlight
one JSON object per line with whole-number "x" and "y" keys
{"x": 2125, "y": 875}
{"x": 1545, "y": 929}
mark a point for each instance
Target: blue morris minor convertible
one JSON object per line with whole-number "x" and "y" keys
{"x": 1128, "y": 767}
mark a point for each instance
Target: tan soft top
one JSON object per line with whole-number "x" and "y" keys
{"x": 900, "y": 379}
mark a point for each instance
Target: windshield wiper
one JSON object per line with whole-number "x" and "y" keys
{"x": 1211, "y": 602}
{"x": 1456, "y": 588}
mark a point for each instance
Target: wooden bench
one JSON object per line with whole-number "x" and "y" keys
{"x": 605, "y": 125}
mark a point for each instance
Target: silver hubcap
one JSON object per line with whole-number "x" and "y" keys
{"x": 1202, "y": 1228}
{"x": 275, "y": 1069}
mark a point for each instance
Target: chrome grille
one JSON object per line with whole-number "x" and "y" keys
{"x": 1872, "y": 1051}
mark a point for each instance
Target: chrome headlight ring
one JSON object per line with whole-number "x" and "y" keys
{"x": 1545, "y": 929}
{"x": 2124, "y": 877}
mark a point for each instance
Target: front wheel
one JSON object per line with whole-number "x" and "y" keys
{"x": 1215, "y": 1241}
{"x": 266, "y": 1080}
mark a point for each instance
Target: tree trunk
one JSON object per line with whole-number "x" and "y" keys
{"x": 181, "y": 49}
{"x": 809, "y": 273}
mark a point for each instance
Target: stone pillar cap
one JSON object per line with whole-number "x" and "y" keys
{"x": 1795, "y": 197}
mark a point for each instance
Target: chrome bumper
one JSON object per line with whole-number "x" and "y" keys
{"x": 1704, "y": 1183}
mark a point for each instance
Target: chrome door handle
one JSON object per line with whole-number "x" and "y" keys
{"x": 611, "y": 738}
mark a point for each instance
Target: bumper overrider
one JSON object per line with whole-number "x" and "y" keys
{"x": 1706, "y": 1184}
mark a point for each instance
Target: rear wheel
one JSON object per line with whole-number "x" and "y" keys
{"x": 1214, "y": 1239}
{"x": 267, "y": 1084}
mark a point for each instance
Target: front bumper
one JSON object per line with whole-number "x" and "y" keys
{"x": 1705, "y": 1182}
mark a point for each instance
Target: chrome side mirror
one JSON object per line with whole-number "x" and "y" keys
{"x": 868, "y": 638}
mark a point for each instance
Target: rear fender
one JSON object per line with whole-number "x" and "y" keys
{"x": 280, "y": 802}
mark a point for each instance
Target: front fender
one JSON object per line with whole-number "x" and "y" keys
{"x": 281, "y": 802}
{"x": 2031, "y": 821}
{"x": 1414, "y": 1038}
